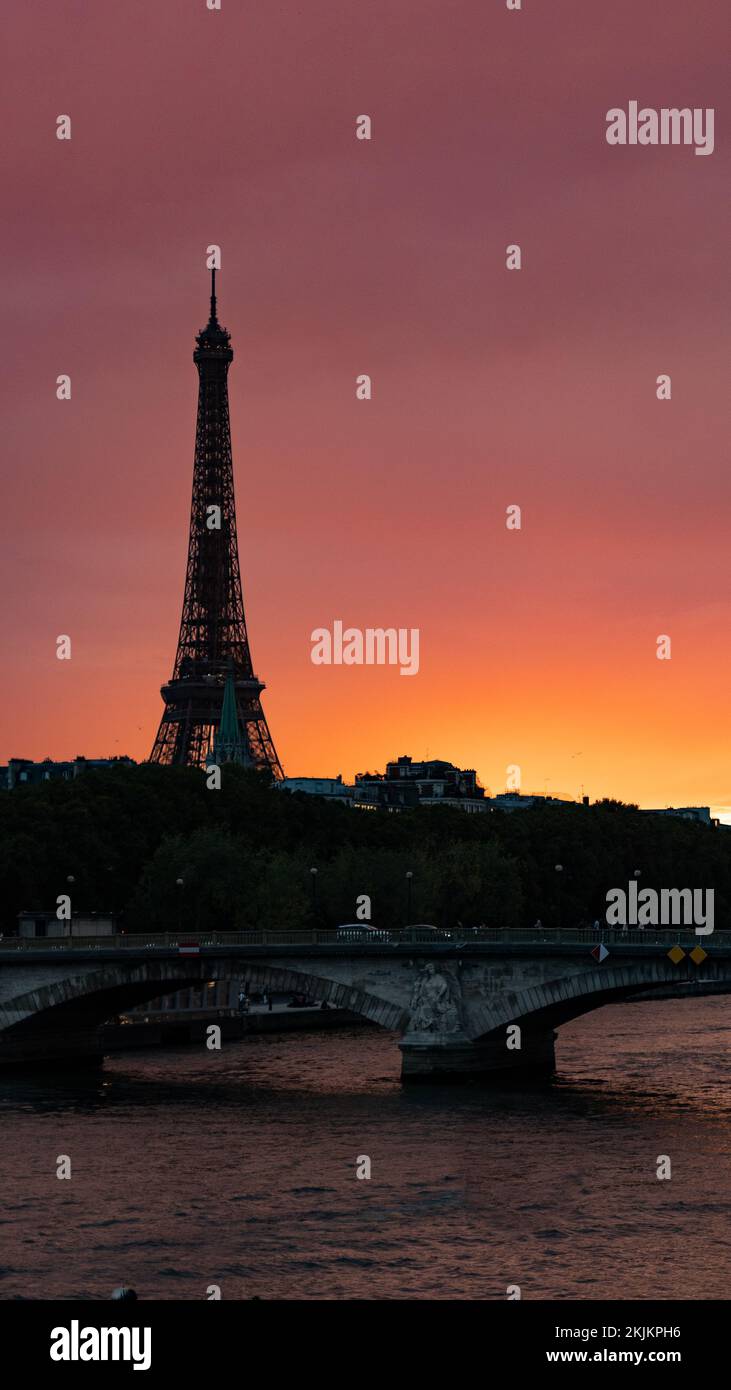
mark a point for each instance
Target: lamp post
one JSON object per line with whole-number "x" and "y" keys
{"x": 559, "y": 871}
{"x": 313, "y": 873}
{"x": 409, "y": 881}
{"x": 180, "y": 884}
{"x": 112, "y": 911}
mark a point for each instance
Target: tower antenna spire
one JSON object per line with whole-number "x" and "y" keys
{"x": 213, "y": 294}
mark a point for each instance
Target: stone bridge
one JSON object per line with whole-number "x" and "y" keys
{"x": 455, "y": 1002}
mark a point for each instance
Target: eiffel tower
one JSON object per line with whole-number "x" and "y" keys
{"x": 212, "y": 703}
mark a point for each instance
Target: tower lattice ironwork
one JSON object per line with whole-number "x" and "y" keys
{"x": 213, "y": 658}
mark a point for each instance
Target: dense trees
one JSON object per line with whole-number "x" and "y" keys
{"x": 244, "y": 853}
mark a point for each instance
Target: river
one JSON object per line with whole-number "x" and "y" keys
{"x": 237, "y": 1169}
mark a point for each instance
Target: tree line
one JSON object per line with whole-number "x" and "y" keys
{"x": 120, "y": 839}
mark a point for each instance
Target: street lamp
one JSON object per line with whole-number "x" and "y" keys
{"x": 110, "y": 870}
{"x": 409, "y": 879}
{"x": 180, "y": 883}
{"x": 559, "y": 871}
{"x": 314, "y": 889}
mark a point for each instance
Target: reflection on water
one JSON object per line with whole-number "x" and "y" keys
{"x": 237, "y": 1168}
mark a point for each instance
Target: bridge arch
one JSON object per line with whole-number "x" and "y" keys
{"x": 554, "y": 1002}
{"x": 87, "y": 1000}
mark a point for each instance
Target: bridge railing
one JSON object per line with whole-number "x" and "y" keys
{"x": 191, "y": 941}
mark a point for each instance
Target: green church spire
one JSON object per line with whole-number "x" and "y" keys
{"x": 229, "y": 744}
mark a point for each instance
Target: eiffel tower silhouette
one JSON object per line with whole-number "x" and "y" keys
{"x": 213, "y": 673}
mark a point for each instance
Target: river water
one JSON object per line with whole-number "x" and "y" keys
{"x": 192, "y": 1168}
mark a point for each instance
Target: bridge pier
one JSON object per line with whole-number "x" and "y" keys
{"x": 448, "y": 1057}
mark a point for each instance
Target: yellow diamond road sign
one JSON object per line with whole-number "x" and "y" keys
{"x": 698, "y": 954}
{"x": 676, "y": 955}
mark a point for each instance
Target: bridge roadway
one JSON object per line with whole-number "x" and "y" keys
{"x": 486, "y": 1002}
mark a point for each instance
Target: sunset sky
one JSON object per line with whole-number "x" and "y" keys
{"x": 490, "y": 387}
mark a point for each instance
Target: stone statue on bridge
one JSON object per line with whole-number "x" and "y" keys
{"x": 435, "y": 1002}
